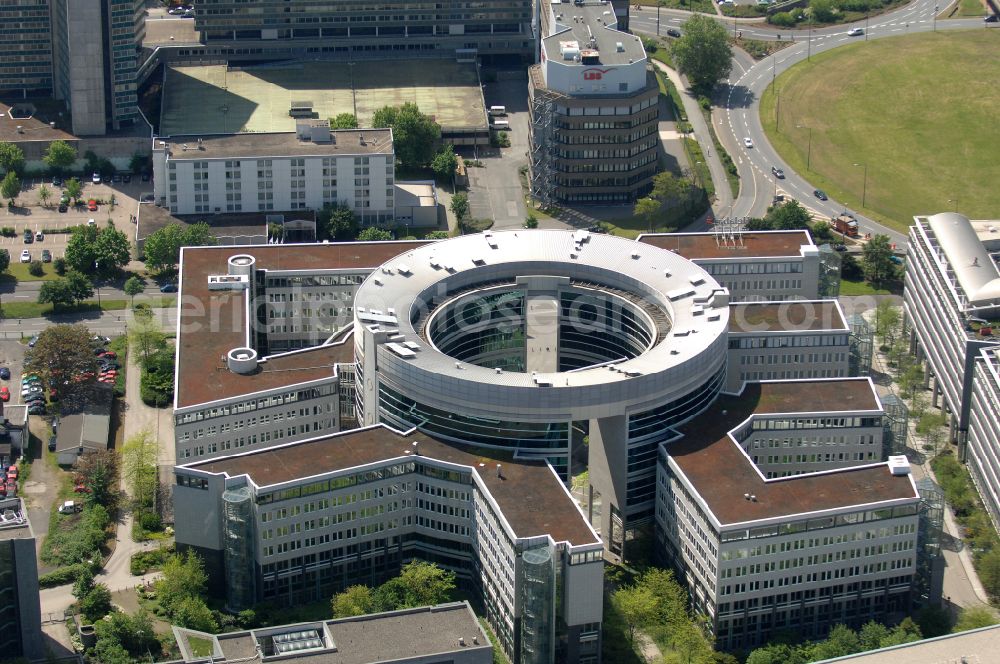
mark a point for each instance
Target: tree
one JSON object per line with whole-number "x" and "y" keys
{"x": 823, "y": 11}
{"x": 353, "y": 601}
{"x": 11, "y": 157}
{"x": 133, "y": 634}
{"x": 344, "y": 121}
{"x": 138, "y": 163}
{"x": 876, "y": 260}
{"x": 59, "y": 156}
{"x": 637, "y": 607}
{"x": 96, "y": 603}
{"x": 703, "y": 52}
{"x": 65, "y": 291}
{"x": 974, "y": 617}
{"x": 162, "y": 249}
{"x": 460, "y": 205}
{"x": 445, "y": 163}
{"x": 10, "y": 187}
{"x": 531, "y": 221}
{"x": 61, "y": 351}
{"x": 183, "y": 577}
{"x": 822, "y": 232}
{"x": 138, "y": 457}
{"x": 887, "y": 320}
{"x": 44, "y": 194}
{"x": 911, "y": 379}
{"x": 437, "y": 235}
{"x": 841, "y": 641}
{"x": 373, "y": 234}
{"x": 414, "y": 134}
{"x": 647, "y": 208}
{"x": 74, "y": 189}
{"x": 777, "y": 653}
{"x": 193, "y": 613}
{"x": 133, "y": 286}
{"x": 102, "y": 251}
{"x": 4, "y": 260}
{"x": 787, "y": 216}
{"x": 339, "y": 221}
{"x": 156, "y": 386}
{"x": 35, "y": 268}
{"x": 98, "y": 471}
{"x": 669, "y": 189}
{"x": 145, "y": 337}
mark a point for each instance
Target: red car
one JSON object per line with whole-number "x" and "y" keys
{"x": 12, "y": 472}
{"x": 80, "y": 488}
{"x": 4, "y": 394}
{"x": 92, "y": 205}
{"x": 109, "y": 353}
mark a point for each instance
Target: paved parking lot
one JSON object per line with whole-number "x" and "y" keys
{"x": 12, "y": 357}
{"x": 31, "y": 215}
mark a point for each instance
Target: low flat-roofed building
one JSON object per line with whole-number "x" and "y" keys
{"x": 753, "y": 265}
{"x": 416, "y": 203}
{"x": 21, "y": 628}
{"x": 744, "y": 542}
{"x": 976, "y": 646}
{"x": 307, "y": 169}
{"x": 298, "y": 521}
{"x": 423, "y": 635}
{"x": 786, "y": 340}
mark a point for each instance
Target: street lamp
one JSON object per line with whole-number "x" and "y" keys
{"x": 659, "y": 3}
{"x": 809, "y": 149}
{"x": 864, "y": 187}
{"x": 866, "y": 26}
{"x": 935, "y": 17}
{"x": 810, "y": 45}
{"x": 955, "y": 201}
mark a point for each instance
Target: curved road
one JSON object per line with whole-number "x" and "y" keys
{"x": 736, "y": 115}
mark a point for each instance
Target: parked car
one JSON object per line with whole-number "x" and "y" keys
{"x": 39, "y": 236}
{"x": 126, "y": 178}
{"x": 145, "y": 177}
{"x": 96, "y": 178}
{"x": 92, "y": 205}
{"x": 25, "y": 256}
{"x": 117, "y": 178}
{"x": 4, "y": 373}
{"x": 52, "y": 443}
{"x": 36, "y": 410}
{"x": 28, "y": 237}
{"x": 70, "y": 507}
{"x": 46, "y": 256}
{"x": 57, "y": 181}
{"x": 4, "y": 394}
{"x": 63, "y": 207}
{"x": 110, "y": 353}
{"x": 168, "y": 288}
{"x": 673, "y": 32}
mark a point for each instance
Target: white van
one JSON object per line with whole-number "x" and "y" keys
{"x": 498, "y": 110}
{"x": 500, "y": 125}
{"x": 69, "y": 507}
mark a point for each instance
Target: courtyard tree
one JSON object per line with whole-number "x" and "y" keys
{"x": 10, "y": 187}
{"x": 647, "y": 208}
{"x": 65, "y": 291}
{"x": 374, "y": 234}
{"x": 74, "y": 189}
{"x": 60, "y": 156}
{"x": 162, "y": 249}
{"x": 101, "y": 251}
{"x": 344, "y": 121}
{"x": 414, "y": 134}
{"x": 133, "y": 286}
{"x": 11, "y": 157}
{"x": 703, "y": 53}
{"x": 61, "y": 351}
{"x": 876, "y": 260}
{"x": 44, "y": 194}
{"x": 460, "y": 206}
{"x": 4, "y": 260}
{"x": 445, "y": 163}
{"x": 339, "y": 221}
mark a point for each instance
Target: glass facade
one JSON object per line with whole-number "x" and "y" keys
{"x": 239, "y": 545}
{"x": 10, "y": 624}
{"x": 537, "y": 599}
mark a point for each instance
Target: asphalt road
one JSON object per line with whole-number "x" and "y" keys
{"x": 737, "y": 113}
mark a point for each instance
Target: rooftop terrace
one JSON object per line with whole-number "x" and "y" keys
{"x": 530, "y": 495}
{"x": 722, "y": 473}
{"x": 763, "y": 244}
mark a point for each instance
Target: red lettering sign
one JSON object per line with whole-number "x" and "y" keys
{"x": 594, "y": 74}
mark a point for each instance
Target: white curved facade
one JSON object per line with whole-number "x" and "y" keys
{"x": 529, "y": 340}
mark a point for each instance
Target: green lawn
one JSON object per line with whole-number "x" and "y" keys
{"x": 969, "y": 8}
{"x": 19, "y": 271}
{"x": 35, "y": 310}
{"x": 861, "y": 288}
{"x": 919, "y": 110}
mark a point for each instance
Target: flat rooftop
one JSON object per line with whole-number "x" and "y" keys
{"x": 237, "y": 227}
{"x": 592, "y": 20}
{"x": 32, "y": 128}
{"x": 721, "y": 473}
{"x": 762, "y": 244}
{"x": 216, "y": 99}
{"x": 531, "y": 497}
{"x": 212, "y": 323}
{"x": 977, "y": 646}
{"x": 226, "y": 146}
{"x": 792, "y": 316}
{"x": 170, "y": 31}
{"x": 14, "y": 522}
{"x": 382, "y": 637}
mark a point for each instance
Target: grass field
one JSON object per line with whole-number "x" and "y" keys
{"x": 918, "y": 110}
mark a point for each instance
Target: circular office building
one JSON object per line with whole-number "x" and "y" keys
{"x": 538, "y": 341}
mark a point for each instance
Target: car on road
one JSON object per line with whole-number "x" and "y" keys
{"x": 96, "y": 178}
{"x": 28, "y": 237}
{"x": 25, "y": 256}
{"x": 673, "y": 32}
{"x": 168, "y": 288}
{"x": 747, "y": 142}
{"x": 92, "y": 205}
{"x": 46, "y": 256}
{"x": 4, "y": 373}
{"x": 778, "y": 173}
{"x": 991, "y": 18}
{"x": 820, "y": 194}
{"x": 855, "y": 32}
{"x": 4, "y": 394}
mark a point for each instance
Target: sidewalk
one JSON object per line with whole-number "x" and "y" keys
{"x": 723, "y": 195}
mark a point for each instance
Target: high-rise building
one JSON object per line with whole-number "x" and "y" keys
{"x": 25, "y": 48}
{"x": 20, "y": 612}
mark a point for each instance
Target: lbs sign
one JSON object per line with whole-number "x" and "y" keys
{"x": 594, "y": 74}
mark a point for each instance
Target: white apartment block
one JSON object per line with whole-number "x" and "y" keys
{"x": 305, "y": 170}
{"x": 755, "y": 266}
{"x": 983, "y": 450}
{"x": 830, "y": 538}
{"x": 952, "y": 304}
{"x": 300, "y": 521}
{"x": 786, "y": 340}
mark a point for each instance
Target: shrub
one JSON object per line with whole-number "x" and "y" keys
{"x": 150, "y": 521}
{"x": 705, "y": 103}
{"x": 36, "y": 269}
{"x": 59, "y": 265}
{"x": 62, "y": 575}
{"x": 8, "y": 231}
{"x": 781, "y": 19}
